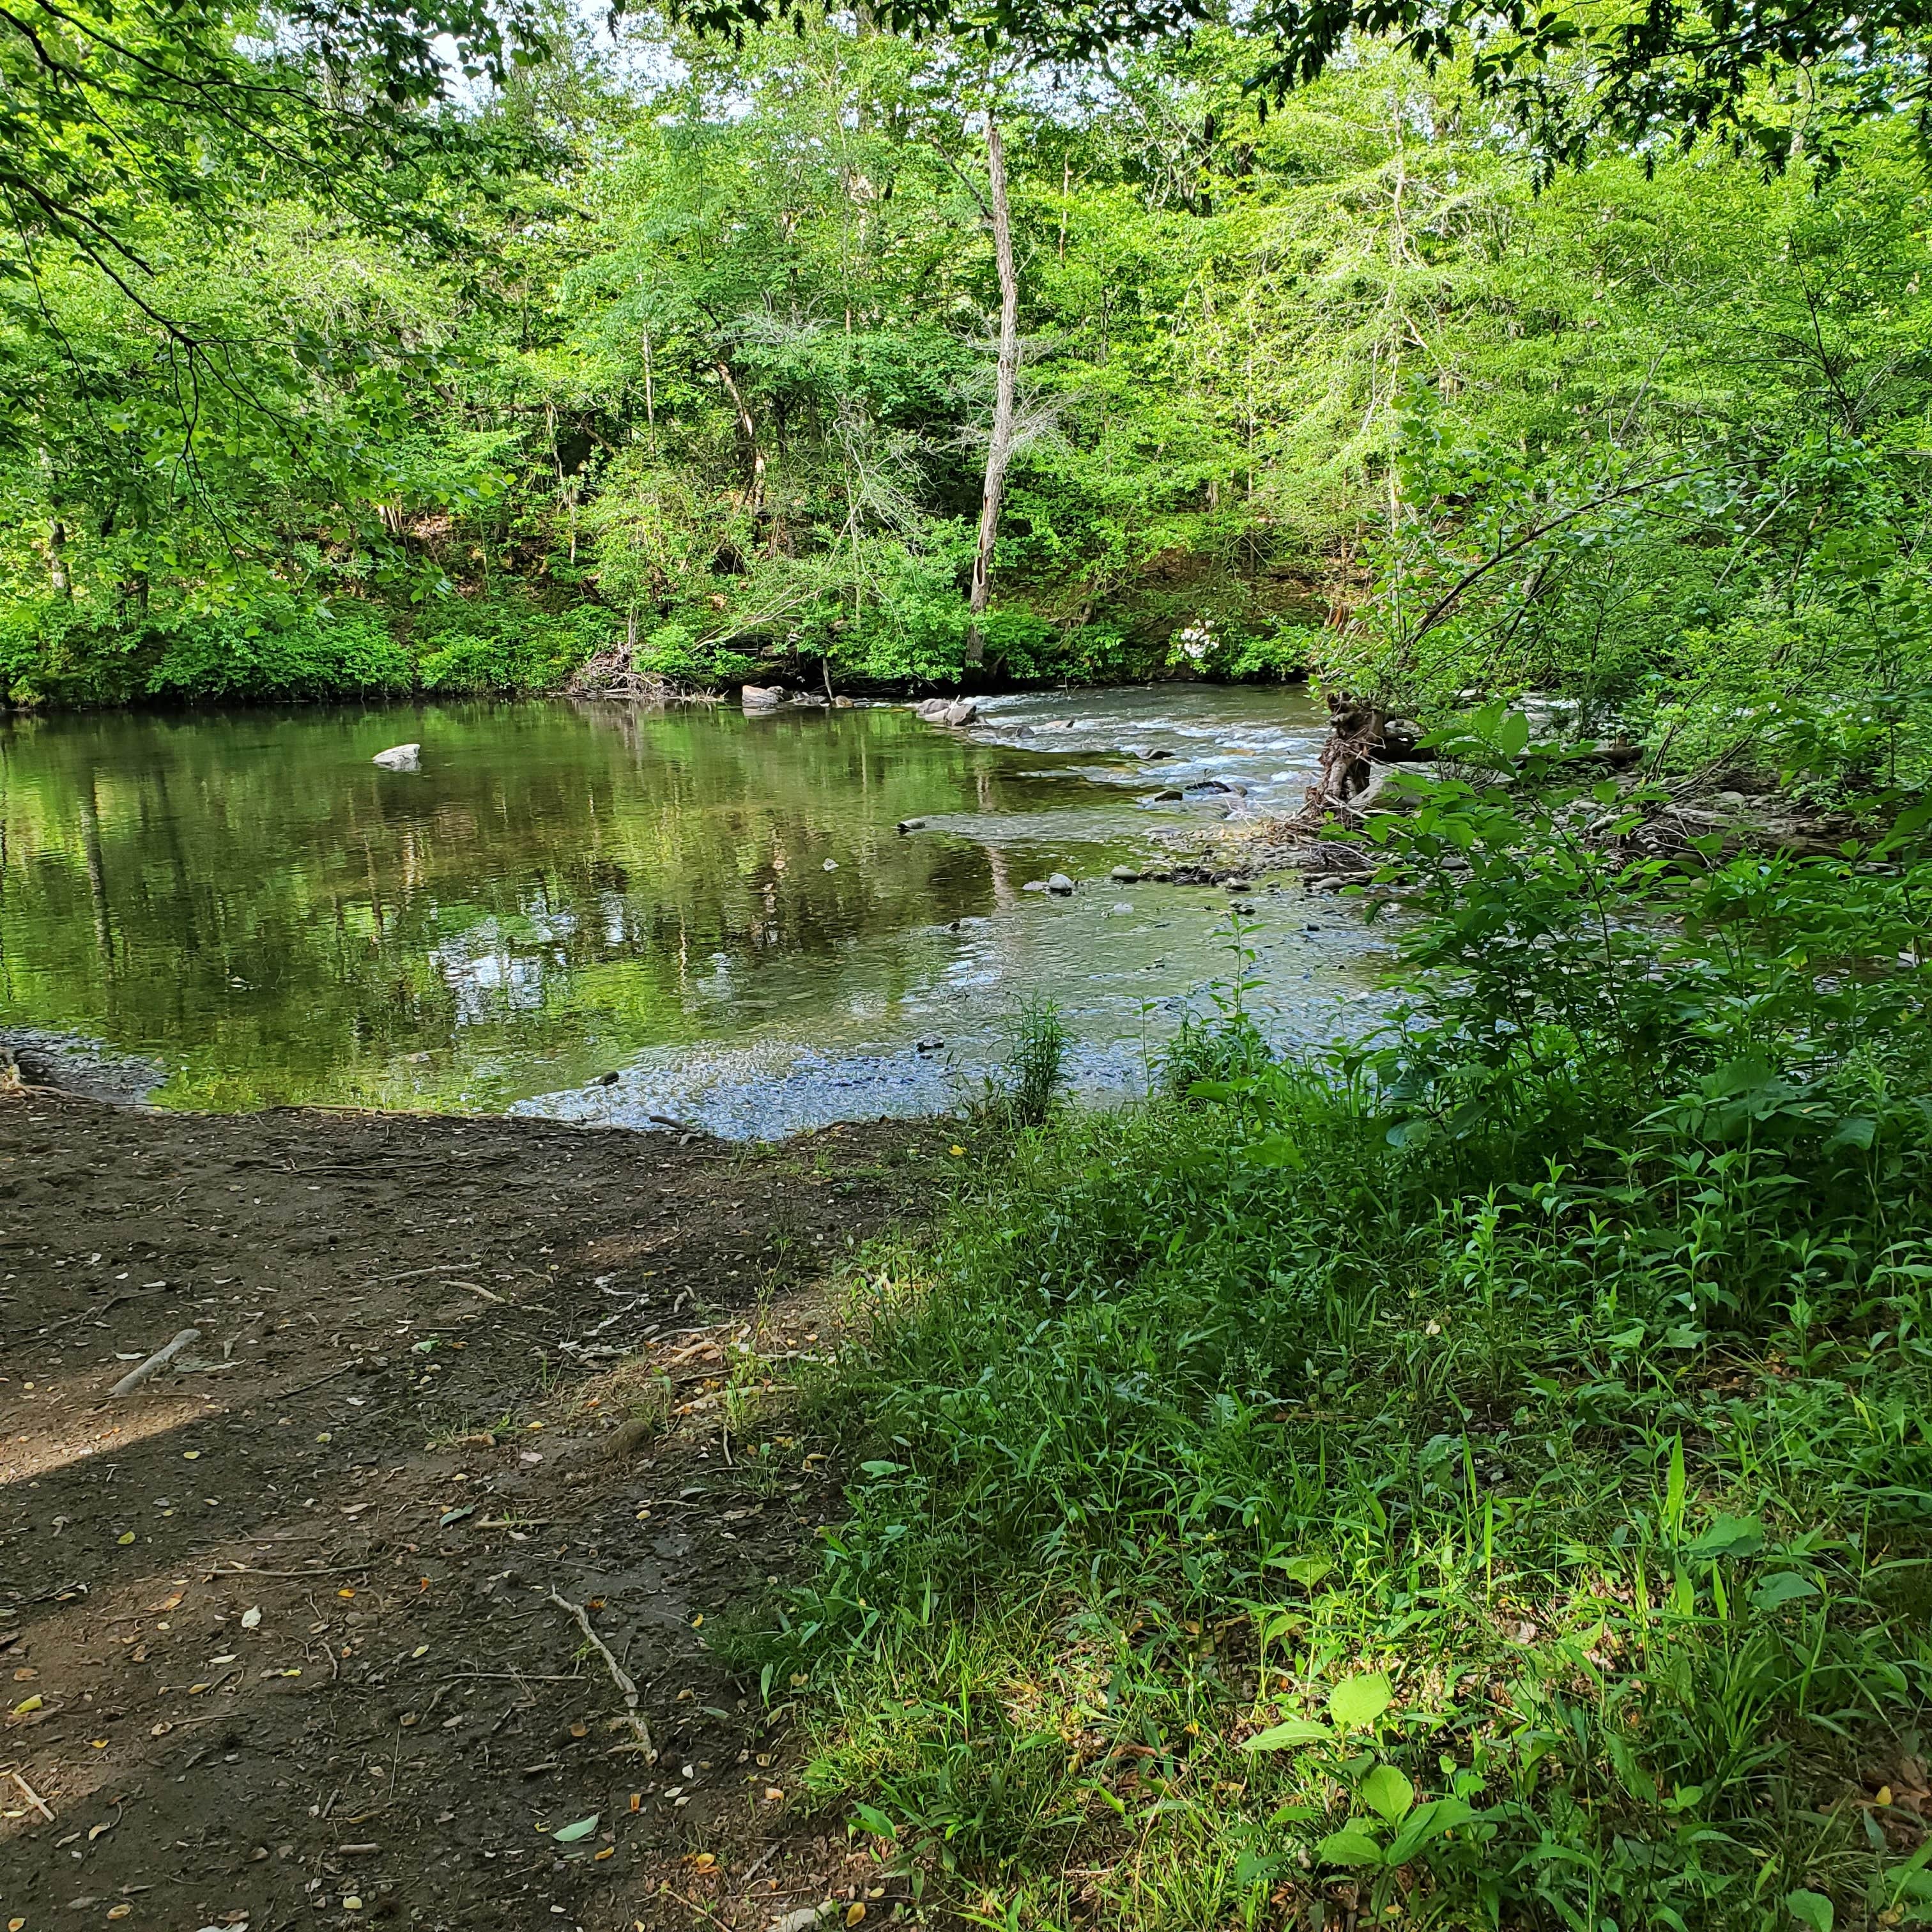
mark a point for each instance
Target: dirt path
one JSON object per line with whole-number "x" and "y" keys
{"x": 277, "y": 1643}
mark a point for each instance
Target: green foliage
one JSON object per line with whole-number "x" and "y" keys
{"x": 1038, "y": 1069}
{"x": 1489, "y": 1466}
{"x": 1332, "y": 391}
{"x": 505, "y": 644}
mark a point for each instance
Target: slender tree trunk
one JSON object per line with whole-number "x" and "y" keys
{"x": 650, "y": 399}
{"x": 754, "y": 491}
{"x": 58, "y": 575}
{"x": 999, "y": 447}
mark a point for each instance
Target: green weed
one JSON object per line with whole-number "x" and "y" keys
{"x": 1483, "y": 1478}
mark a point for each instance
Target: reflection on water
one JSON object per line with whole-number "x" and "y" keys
{"x": 718, "y": 911}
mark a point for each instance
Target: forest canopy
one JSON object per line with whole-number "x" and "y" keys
{"x": 418, "y": 370}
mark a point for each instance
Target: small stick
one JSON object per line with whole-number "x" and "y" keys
{"x": 34, "y": 1798}
{"x": 620, "y": 1676}
{"x": 158, "y": 1360}
{"x": 302, "y": 1388}
{"x": 475, "y": 1288}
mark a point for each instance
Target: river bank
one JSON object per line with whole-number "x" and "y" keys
{"x": 281, "y": 1631}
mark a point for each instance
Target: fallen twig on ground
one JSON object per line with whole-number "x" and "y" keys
{"x": 618, "y": 1674}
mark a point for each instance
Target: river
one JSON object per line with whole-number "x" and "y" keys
{"x": 238, "y": 910}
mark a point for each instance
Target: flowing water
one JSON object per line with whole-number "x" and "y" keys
{"x": 239, "y": 910}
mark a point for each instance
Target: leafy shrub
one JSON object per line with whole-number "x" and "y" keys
{"x": 506, "y": 643}
{"x": 280, "y": 648}
{"x": 1474, "y": 1473}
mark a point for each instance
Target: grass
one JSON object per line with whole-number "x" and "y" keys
{"x": 1266, "y": 1514}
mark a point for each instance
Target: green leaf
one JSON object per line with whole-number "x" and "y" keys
{"x": 1289, "y": 1732}
{"x": 1810, "y": 1908}
{"x": 872, "y": 1819}
{"x": 1425, "y": 1822}
{"x": 876, "y": 1470}
{"x": 1347, "y": 1846}
{"x": 569, "y": 1835}
{"x": 1275, "y": 1150}
{"x": 1729, "y": 1536}
{"x": 1786, "y": 1587}
{"x": 1357, "y": 1701}
{"x": 1674, "y": 1491}
{"x": 1386, "y": 1791}
{"x": 1252, "y": 1869}
{"x": 1306, "y": 1570}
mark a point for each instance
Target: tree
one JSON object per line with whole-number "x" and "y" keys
{"x": 999, "y": 441}
{"x": 1573, "y": 75}
{"x": 124, "y": 126}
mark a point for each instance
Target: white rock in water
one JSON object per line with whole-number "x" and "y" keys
{"x": 964, "y": 712}
{"x": 398, "y": 758}
{"x": 1060, "y": 884}
{"x": 761, "y": 697}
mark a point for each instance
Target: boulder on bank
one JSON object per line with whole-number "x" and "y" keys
{"x": 399, "y": 758}
{"x": 761, "y": 697}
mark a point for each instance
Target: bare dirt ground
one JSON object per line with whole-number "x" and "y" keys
{"x": 279, "y": 1643}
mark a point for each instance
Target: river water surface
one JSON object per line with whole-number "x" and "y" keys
{"x": 718, "y": 911}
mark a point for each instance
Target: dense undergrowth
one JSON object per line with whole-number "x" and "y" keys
{"x": 278, "y": 647}
{"x": 1479, "y": 1478}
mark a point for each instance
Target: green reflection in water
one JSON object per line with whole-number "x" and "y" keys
{"x": 247, "y": 899}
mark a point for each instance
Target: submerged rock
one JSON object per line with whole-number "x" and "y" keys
{"x": 399, "y": 758}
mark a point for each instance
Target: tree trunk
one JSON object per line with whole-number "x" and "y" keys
{"x": 999, "y": 447}
{"x": 754, "y": 457}
{"x": 650, "y": 398}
